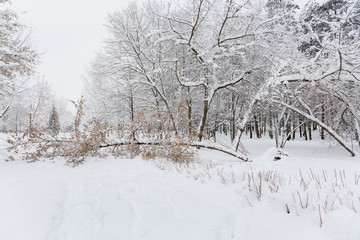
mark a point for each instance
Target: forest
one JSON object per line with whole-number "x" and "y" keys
{"x": 179, "y": 81}
{"x": 172, "y": 73}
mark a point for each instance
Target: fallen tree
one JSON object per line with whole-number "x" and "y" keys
{"x": 230, "y": 152}
{"x": 93, "y": 141}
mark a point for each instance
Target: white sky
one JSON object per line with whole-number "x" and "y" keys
{"x": 67, "y": 33}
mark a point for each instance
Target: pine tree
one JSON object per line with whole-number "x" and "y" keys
{"x": 327, "y": 21}
{"x": 54, "y": 123}
{"x": 282, "y": 7}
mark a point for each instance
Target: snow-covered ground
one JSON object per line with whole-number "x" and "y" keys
{"x": 215, "y": 198}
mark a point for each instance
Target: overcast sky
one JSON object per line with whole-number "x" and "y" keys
{"x": 67, "y": 33}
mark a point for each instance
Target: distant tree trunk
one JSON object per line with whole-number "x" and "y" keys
{"x": 232, "y": 121}
{"x": 322, "y": 132}
{"x": 304, "y": 129}
{"x": 276, "y": 133}
{"x": 203, "y": 121}
{"x": 288, "y": 130}
{"x": 204, "y": 115}
{"x": 309, "y": 130}
{"x": 357, "y": 137}
{"x": 215, "y": 122}
{"x": 157, "y": 104}
{"x": 256, "y": 126}
{"x": 225, "y": 129}
{"x": 293, "y": 126}
{"x": 264, "y": 124}
{"x": 132, "y": 117}
{"x": 189, "y": 105}
{"x": 250, "y": 130}
{"x": 271, "y": 130}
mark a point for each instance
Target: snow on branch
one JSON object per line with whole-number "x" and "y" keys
{"x": 327, "y": 128}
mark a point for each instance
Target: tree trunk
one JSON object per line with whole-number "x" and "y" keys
{"x": 293, "y": 126}
{"x": 215, "y": 125}
{"x": 132, "y": 117}
{"x": 256, "y": 125}
{"x": 305, "y": 132}
{"x": 322, "y": 133}
{"x": 288, "y": 130}
{"x": 264, "y": 125}
{"x": 250, "y": 130}
{"x": 271, "y": 127}
{"x": 204, "y": 115}
{"x": 189, "y": 104}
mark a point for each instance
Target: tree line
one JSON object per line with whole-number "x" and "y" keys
{"x": 175, "y": 73}
{"x": 264, "y": 68}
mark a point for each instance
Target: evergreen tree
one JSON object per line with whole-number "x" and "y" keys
{"x": 282, "y": 7}
{"x": 334, "y": 20}
{"x": 54, "y": 123}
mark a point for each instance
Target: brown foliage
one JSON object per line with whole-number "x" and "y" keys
{"x": 93, "y": 138}
{"x": 177, "y": 149}
{"x": 75, "y": 147}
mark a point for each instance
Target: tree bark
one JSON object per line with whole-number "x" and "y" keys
{"x": 204, "y": 115}
{"x": 232, "y": 118}
{"x": 322, "y": 133}
{"x": 189, "y": 105}
{"x": 256, "y": 125}
{"x": 271, "y": 127}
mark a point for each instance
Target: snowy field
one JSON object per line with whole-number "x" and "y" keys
{"x": 312, "y": 194}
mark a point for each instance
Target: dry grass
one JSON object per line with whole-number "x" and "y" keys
{"x": 317, "y": 192}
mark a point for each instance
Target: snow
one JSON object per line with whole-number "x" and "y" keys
{"x": 137, "y": 199}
